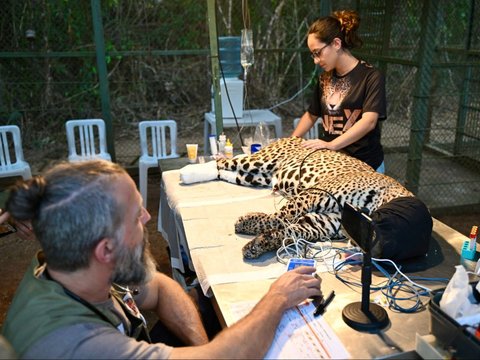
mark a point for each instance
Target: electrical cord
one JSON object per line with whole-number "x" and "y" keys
{"x": 230, "y": 102}
{"x": 291, "y": 98}
{"x": 398, "y": 289}
{"x": 322, "y": 251}
{"x": 310, "y": 82}
{"x": 299, "y": 247}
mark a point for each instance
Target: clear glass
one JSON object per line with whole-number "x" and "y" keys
{"x": 246, "y": 51}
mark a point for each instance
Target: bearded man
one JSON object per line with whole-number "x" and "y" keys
{"x": 82, "y": 295}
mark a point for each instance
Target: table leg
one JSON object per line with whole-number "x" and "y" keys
{"x": 278, "y": 129}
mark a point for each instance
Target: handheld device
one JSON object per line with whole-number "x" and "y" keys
{"x": 296, "y": 262}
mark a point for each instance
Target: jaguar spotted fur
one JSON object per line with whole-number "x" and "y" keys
{"x": 317, "y": 183}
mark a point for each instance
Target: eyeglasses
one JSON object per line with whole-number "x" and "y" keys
{"x": 317, "y": 53}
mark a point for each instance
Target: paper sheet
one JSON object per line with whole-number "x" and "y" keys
{"x": 300, "y": 335}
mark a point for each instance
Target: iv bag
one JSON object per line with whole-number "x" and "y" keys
{"x": 246, "y": 48}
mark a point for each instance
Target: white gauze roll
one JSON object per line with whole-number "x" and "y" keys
{"x": 194, "y": 173}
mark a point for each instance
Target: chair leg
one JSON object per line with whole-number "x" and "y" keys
{"x": 27, "y": 174}
{"x": 143, "y": 183}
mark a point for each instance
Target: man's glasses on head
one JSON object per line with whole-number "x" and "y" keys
{"x": 317, "y": 53}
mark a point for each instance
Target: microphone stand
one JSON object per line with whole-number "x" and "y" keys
{"x": 364, "y": 315}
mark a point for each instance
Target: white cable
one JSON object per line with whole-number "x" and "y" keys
{"x": 290, "y": 99}
{"x": 352, "y": 255}
{"x": 473, "y": 273}
{"x": 401, "y": 273}
{"x": 302, "y": 248}
{"x": 299, "y": 247}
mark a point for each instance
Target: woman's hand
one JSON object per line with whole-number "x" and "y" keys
{"x": 317, "y": 144}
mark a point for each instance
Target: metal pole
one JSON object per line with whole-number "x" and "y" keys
{"x": 421, "y": 95}
{"x": 102, "y": 73}
{"x": 325, "y": 7}
{"x": 214, "y": 59}
{"x": 465, "y": 93}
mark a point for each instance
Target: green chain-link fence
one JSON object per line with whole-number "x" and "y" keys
{"x": 158, "y": 67}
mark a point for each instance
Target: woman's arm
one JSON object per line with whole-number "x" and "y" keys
{"x": 361, "y": 128}
{"x": 305, "y": 124}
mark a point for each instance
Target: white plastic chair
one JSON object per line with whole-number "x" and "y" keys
{"x": 153, "y": 143}
{"x": 12, "y": 162}
{"x": 92, "y": 136}
{"x": 312, "y": 133}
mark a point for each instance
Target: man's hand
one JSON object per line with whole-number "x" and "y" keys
{"x": 256, "y": 330}
{"x": 24, "y": 228}
{"x": 3, "y": 216}
{"x": 295, "y": 286}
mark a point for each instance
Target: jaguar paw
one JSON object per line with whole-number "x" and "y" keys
{"x": 260, "y": 245}
{"x": 221, "y": 163}
{"x": 250, "y": 224}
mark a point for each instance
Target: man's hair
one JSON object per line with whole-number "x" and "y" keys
{"x": 71, "y": 207}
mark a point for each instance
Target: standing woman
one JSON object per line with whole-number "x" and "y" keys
{"x": 350, "y": 94}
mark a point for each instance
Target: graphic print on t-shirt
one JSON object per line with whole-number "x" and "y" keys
{"x": 334, "y": 91}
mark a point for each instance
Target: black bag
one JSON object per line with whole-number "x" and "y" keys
{"x": 403, "y": 229}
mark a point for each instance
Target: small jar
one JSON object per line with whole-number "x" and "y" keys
{"x": 228, "y": 149}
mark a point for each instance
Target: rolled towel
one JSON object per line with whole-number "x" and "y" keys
{"x": 194, "y": 173}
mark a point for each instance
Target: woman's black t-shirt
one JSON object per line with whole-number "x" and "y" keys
{"x": 341, "y": 101}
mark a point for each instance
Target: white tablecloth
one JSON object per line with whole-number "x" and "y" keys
{"x": 199, "y": 218}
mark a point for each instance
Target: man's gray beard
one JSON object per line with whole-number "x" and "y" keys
{"x": 135, "y": 267}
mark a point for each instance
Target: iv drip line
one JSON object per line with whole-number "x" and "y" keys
{"x": 246, "y": 53}
{"x": 246, "y": 50}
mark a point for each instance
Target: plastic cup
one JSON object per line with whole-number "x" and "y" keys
{"x": 192, "y": 150}
{"x": 254, "y": 148}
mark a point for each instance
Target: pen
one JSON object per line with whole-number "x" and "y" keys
{"x": 320, "y": 309}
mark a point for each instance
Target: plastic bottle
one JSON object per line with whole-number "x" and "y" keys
{"x": 228, "y": 149}
{"x": 222, "y": 140}
{"x": 261, "y": 134}
{"x": 213, "y": 144}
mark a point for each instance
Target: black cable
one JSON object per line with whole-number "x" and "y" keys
{"x": 314, "y": 188}
{"x": 310, "y": 83}
{"x": 230, "y": 102}
{"x": 340, "y": 207}
{"x": 228, "y": 95}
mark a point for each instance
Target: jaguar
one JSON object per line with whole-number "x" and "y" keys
{"x": 316, "y": 185}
